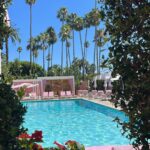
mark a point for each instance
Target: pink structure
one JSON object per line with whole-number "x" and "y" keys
{"x": 40, "y": 87}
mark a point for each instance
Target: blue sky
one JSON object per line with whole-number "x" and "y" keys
{"x": 44, "y": 15}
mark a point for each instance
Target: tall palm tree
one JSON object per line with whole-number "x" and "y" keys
{"x": 43, "y": 45}
{"x": 79, "y": 27}
{"x": 86, "y": 45}
{"x": 101, "y": 40}
{"x": 52, "y": 39}
{"x": 30, "y": 3}
{"x": 19, "y": 51}
{"x": 48, "y": 58}
{"x": 95, "y": 17}
{"x": 68, "y": 52}
{"x": 87, "y": 25}
{"x": 62, "y": 15}
{"x": 13, "y": 35}
{"x": 71, "y": 21}
{"x": 65, "y": 36}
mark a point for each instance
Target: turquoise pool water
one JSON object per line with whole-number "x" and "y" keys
{"x": 86, "y": 122}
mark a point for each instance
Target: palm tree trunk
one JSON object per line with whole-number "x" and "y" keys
{"x": 85, "y": 49}
{"x": 69, "y": 56}
{"x": 62, "y": 55}
{"x": 52, "y": 56}
{"x": 19, "y": 56}
{"x": 66, "y": 58}
{"x": 30, "y": 38}
{"x": 48, "y": 57}
{"x": 73, "y": 44}
{"x": 44, "y": 61}
{"x": 7, "y": 55}
{"x": 81, "y": 44}
{"x": 97, "y": 59}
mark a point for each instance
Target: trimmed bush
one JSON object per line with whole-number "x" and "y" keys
{"x": 11, "y": 118}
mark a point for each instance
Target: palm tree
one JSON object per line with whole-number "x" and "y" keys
{"x": 30, "y": 3}
{"x": 43, "y": 45}
{"x": 62, "y": 15}
{"x": 79, "y": 27}
{"x": 65, "y": 36}
{"x": 86, "y": 45}
{"x": 52, "y": 39}
{"x": 68, "y": 51}
{"x": 19, "y": 51}
{"x": 87, "y": 25}
{"x": 48, "y": 58}
{"x": 71, "y": 21}
{"x": 95, "y": 16}
{"x": 101, "y": 40}
{"x": 13, "y": 35}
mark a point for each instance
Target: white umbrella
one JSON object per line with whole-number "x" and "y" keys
{"x": 21, "y": 85}
{"x": 32, "y": 85}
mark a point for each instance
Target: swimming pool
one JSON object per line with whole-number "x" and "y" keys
{"x": 86, "y": 122}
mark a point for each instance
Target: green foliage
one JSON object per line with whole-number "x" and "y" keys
{"x": 11, "y": 118}
{"x": 21, "y": 92}
{"x": 22, "y": 69}
{"x": 5, "y": 71}
{"x": 128, "y": 23}
{"x": 55, "y": 70}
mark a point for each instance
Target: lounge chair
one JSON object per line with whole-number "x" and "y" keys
{"x": 82, "y": 93}
{"x": 68, "y": 94}
{"x": 45, "y": 95}
{"x": 94, "y": 93}
{"x": 62, "y": 94}
{"x": 51, "y": 94}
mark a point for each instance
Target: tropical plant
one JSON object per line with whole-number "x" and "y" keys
{"x": 62, "y": 15}
{"x": 22, "y": 68}
{"x": 71, "y": 21}
{"x": 19, "y": 51}
{"x": 30, "y": 3}
{"x": 43, "y": 38}
{"x": 11, "y": 114}
{"x": 55, "y": 70}
{"x": 65, "y": 35}
{"x": 95, "y": 16}
{"x": 52, "y": 39}
{"x": 128, "y": 24}
{"x": 79, "y": 27}
{"x": 87, "y": 25}
{"x": 100, "y": 40}
{"x": 13, "y": 35}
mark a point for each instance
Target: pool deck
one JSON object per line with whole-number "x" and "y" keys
{"x": 123, "y": 147}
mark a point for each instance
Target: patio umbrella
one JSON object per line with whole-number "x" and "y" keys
{"x": 21, "y": 85}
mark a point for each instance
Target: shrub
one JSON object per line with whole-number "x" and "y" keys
{"x": 11, "y": 118}
{"x": 128, "y": 24}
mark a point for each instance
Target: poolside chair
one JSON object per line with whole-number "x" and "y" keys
{"x": 68, "y": 94}
{"x": 94, "y": 93}
{"x": 51, "y": 94}
{"x": 80, "y": 93}
{"x": 62, "y": 94}
{"x": 45, "y": 95}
